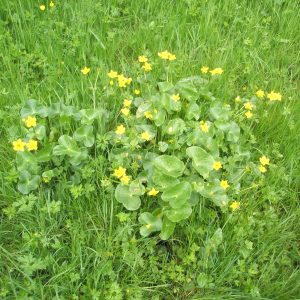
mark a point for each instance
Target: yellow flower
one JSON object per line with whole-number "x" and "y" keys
{"x": 237, "y": 99}
{"x": 204, "y": 127}
{"x": 142, "y": 59}
{"x": 146, "y": 135}
{"x": 204, "y": 69}
{"x": 98, "y": 69}
{"x": 127, "y": 102}
{"x": 172, "y": 56}
{"x": 148, "y": 115}
{"x": 125, "y": 179}
{"x": 121, "y": 77}
{"x": 244, "y": 88}
{"x": 224, "y": 184}
{"x": 153, "y": 192}
{"x": 264, "y": 161}
{"x": 136, "y": 92}
{"x": 122, "y": 83}
{"x": 112, "y": 74}
{"x": 120, "y": 129}
{"x": 42, "y": 7}
{"x": 217, "y": 165}
{"x": 262, "y": 169}
{"x": 164, "y": 55}
{"x": 85, "y": 70}
{"x": 139, "y": 157}
{"x": 170, "y": 141}
{"x": 235, "y": 205}
{"x": 148, "y": 226}
{"x": 51, "y": 4}
{"x": 32, "y": 145}
{"x": 19, "y": 145}
{"x": 125, "y": 111}
{"x": 111, "y": 82}
{"x": 155, "y": 111}
{"x": 30, "y": 122}
{"x": 119, "y": 172}
{"x": 260, "y": 93}
{"x": 128, "y": 80}
{"x": 175, "y": 97}
{"x": 274, "y": 96}
{"x": 147, "y": 67}
{"x": 248, "y": 114}
{"x": 248, "y": 105}
{"x": 216, "y": 71}
{"x": 62, "y": 62}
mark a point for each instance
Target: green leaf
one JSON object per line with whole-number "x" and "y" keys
{"x": 71, "y": 111}
{"x": 219, "y": 113}
{"x": 32, "y": 108}
{"x": 55, "y": 110}
{"x": 167, "y": 229}
{"x": 76, "y": 160}
{"x": 143, "y": 108}
{"x": 45, "y": 154}
{"x": 162, "y": 146}
{"x": 148, "y": 163}
{"x": 193, "y": 111}
{"x": 215, "y": 192}
{"x": 187, "y": 90}
{"x": 25, "y": 159}
{"x": 66, "y": 146}
{"x": 85, "y": 134}
{"x": 178, "y": 214}
{"x": 151, "y": 222}
{"x": 124, "y": 196}
{"x": 159, "y": 117}
{"x": 27, "y": 182}
{"x": 193, "y": 200}
{"x": 177, "y": 194}
{"x": 39, "y": 131}
{"x": 234, "y": 132}
{"x": 164, "y": 181}
{"x": 136, "y": 187}
{"x": 88, "y": 115}
{"x": 202, "y": 161}
{"x": 176, "y": 126}
{"x": 169, "y": 165}
{"x": 169, "y": 104}
{"x": 222, "y": 124}
{"x": 216, "y": 239}
{"x": 201, "y": 280}
{"x": 211, "y": 146}
{"x": 195, "y": 137}
{"x": 165, "y": 86}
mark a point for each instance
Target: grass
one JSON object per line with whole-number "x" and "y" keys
{"x": 89, "y": 249}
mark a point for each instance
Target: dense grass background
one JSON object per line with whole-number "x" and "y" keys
{"x": 256, "y": 43}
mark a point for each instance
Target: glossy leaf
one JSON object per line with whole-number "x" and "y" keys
{"x": 169, "y": 165}
{"x": 88, "y": 116}
{"x": 151, "y": 223}
{"x": 45, "y": 154}
{"x": 165, "y": 86}
{"x": 24, "y": 160}
{"x": 178, "y": 214}
{"x": 167, "y": 228}
{"x": 177, "y": 194}
{"x": 202, "y": 161}
{"x": 66, "y": 146}
{"x": 27, "y": 182}
{"x": 187, "y": 90}
{"x": 128, "y": 199}
{"x": 33, "y": 108}
{"x": 85, "y": 134}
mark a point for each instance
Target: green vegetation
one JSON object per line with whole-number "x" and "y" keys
{"x": 210, "y": 153}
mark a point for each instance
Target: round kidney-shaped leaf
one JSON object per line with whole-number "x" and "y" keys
{"x": 76, "y": 160}
{"x": 124, "y": 196}
{"x": 45, "y": 154}
{"x": 202, "y": 161}
{"x": 167, "y": 229}
{"x": 178, "y": 214}
{"x": 66, "y": 146}
{"x": 25, "y": 159}
{"x": 151, "y": 223}
{"x": 88, "y": 116}
{"x": 169, "y": 165}
{"x": 33, "y": 108}
{"x": 27, "y": 182}
{"x": 85, "y": 134}
{"x": 177, "y": 194}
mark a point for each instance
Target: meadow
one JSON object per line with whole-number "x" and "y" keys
{"x": 149, "y": 149}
